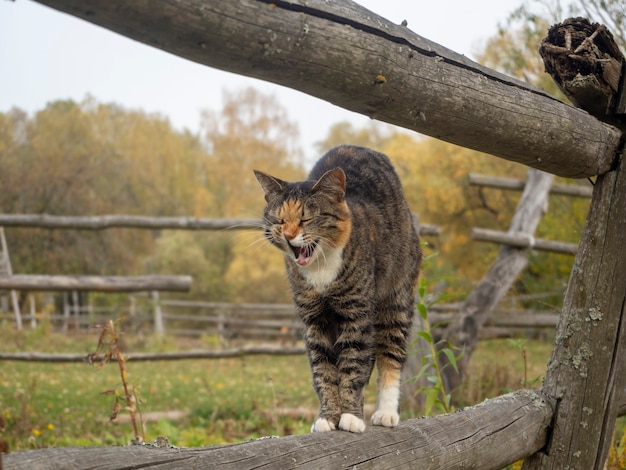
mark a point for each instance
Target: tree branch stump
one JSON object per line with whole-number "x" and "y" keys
{"x": 587, "y": 65}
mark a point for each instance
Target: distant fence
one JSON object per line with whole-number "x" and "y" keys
{"x": 228, "y": 322}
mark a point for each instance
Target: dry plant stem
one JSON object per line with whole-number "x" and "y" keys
{"x": 109, "y": 339}
{"x": 128, "y": 397}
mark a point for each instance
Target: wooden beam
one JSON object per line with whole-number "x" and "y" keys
{"x": 586, "y": 368}
{"x": 253, "y": 350}
{"x": 96, "y": 283}
{"x": 515, "y": 425}
{"x": 343, "y": 53}
{"x": 518, "y": 185}
{"x": 102, "y": 222}
{"x": 522, "y": 240}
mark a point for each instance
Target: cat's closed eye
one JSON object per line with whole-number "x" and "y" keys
{"x": 275, "y": 220}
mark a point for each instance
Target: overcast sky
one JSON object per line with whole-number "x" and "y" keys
{"x": 46, "y": 55}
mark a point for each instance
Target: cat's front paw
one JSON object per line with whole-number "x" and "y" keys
{"x": 323, "y": 425}
{"x": 389, "y": 419}
{"x": 349, "y": 422}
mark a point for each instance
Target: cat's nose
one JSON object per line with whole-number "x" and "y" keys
{"x": 290, "y": 231}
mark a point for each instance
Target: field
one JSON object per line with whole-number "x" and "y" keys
{"x": 193, "y": 402}
{"x": 204, "y": 402}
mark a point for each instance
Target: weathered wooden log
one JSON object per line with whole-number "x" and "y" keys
{"x": 587, "y": 64}
{"x": 341, "y": 52}
{"x": 514, "y": 425}
{"x": 162, "y": 356}
{"x": 585, "y": 372}
{"x": 96, "y": 283}
{"x": 102, "y": 222}
{"x": 518, "y": 320}
{"x": 586, "y": 369}
{"x": 523, "y": 240}
{"x": 270, "y": 309}
{"x": 518, "y": 185}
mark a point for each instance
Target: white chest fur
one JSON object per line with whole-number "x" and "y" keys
{"x": 324, "y": 269}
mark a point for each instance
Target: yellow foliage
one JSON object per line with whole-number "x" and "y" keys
{"x": 257, "y": 273}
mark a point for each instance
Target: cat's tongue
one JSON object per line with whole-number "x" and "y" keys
{"x": 304, "y": 254}
{"x": 302, "y": 258}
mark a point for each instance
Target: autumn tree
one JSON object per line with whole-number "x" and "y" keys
{"x": 251, "y": 131}
{"x": 374, "y": 135}
{"x": 88, "y": 159}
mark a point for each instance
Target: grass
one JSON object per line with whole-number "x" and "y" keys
{"x": 228, "y": 400}
{"x": 221, "y": 401}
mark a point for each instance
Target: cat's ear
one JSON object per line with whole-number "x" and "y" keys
{"x": 269, "y": 184}
{"x": 332, "y": 182}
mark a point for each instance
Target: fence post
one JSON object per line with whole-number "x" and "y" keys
{"x": 6, "y": 270}
{"x": 66, "y": 312}
{"x": 221, "y": 329}
{"x": 159, "y": 327}
{"x": 33, "y": 313}
{"x": 76, "y": 310}
{"x": 131, "y": 307}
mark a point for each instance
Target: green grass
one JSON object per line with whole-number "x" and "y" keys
{"x": 226, "y": 400}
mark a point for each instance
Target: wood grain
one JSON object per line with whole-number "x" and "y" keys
{"x": 514, "y": 426}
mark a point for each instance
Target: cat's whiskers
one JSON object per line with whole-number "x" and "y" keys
{"x": 245, "y": 224}
{"x": 243, "y": 228}
{"x": 322, "y": 242}
{"x": 254, "y": 243}
{"x": 257, "y": 237}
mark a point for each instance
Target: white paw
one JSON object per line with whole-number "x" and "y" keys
{"x": 322, "y": 425}
{"x": 389, "y": 419}
{"x": 349, "y": 422}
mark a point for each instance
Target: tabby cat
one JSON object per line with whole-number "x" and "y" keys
{"x": 353, "y": 258}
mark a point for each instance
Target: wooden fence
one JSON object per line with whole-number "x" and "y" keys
{"x": 344, "y": 50}
{"x": 232, "y": 323}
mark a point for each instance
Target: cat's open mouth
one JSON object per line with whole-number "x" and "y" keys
{"x": 303, "y": 254}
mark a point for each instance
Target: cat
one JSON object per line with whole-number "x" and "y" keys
{"x": 353, "y": 258}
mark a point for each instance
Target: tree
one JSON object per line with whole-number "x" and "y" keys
{"x": 373, "y": 135}
{"x": 86, "y": 159}
{"x": 252, "y": 131}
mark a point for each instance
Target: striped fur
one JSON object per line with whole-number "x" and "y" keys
{"x": 353, "y": 258}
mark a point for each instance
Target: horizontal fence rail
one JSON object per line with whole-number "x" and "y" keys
{"x": 95, "y": 283}
{"x": 242, "y": 323}
{"x": 102, "y": 222}
{"x": 523, "y": 241}
{"x": 515, "y": 184}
